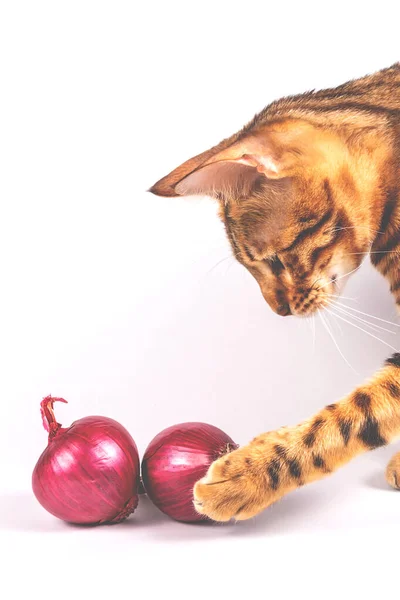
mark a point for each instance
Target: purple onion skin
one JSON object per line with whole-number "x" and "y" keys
{"x": 175, "y": 460}
{"x": 89, "y": 472}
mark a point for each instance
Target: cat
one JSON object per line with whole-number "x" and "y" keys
{"x": 306, "y": 190}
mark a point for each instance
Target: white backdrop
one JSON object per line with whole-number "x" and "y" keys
{"x": 117, "y": 300}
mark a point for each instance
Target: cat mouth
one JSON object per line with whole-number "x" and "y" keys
{"x": 311, "y": 308}
{"x": 305, "y": 305}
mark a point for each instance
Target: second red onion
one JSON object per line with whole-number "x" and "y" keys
{"x": 175, "y": 460}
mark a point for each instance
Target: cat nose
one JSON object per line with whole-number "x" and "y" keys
{"x": 284, "y": 310}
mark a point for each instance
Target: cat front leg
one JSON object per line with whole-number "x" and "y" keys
{"x": 248, "y": 480}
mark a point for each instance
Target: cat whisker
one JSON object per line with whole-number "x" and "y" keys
{"x": 336, "y": 323}
{"x": 228, "y": 268}
{"x": 361, "y": 329}
{"x": 309, "y": 324}
{"x": 218, "y": 263}
{"x": 214, "y": 249}
{"x": 341, "y": 277}
{"x": 337, "y": 296}
{"x": 308, "y": 321}
{"x": 373, "y": 326}
{"x": 313, "y": 327}
{"x": 357, "y": 227}
{"x": 335, "y": 342}
{"x": 368, "y": 315}
{"x": 315, "y": 282}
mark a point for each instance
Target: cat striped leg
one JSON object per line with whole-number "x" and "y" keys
{"x": 385, "y": 256}
{"x": 251, "y": 478}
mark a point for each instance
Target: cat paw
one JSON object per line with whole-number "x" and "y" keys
{"x": 393, "y": 472}
{"x": 238, "y": 485}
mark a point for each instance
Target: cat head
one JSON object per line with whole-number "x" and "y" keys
{"x": 291, "y": 208}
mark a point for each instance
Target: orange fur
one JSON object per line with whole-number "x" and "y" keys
{"x": 306, "y": 190}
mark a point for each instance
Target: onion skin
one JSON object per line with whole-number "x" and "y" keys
{"x": 175, "y": 460}
{"x": 89, "y": 472}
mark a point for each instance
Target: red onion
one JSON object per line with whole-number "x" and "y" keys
{"x": 89, "y": 472}
{"x": 177, "y": 458}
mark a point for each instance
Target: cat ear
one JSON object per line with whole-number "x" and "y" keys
{"x": 234, "y": 166}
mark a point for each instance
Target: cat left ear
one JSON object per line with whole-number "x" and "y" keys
{"x": 234, "y": 165}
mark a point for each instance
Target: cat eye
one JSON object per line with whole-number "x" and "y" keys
{"x": 274, "y": 260}
{"x": 275, "y": 264}
{"x": 308, "y": 218}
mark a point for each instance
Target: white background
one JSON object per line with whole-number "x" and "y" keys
{"x": 116, "y": 299}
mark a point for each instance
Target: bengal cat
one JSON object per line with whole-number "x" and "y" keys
{"x": 307, "y": 189}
